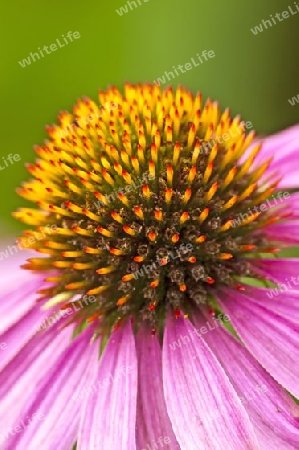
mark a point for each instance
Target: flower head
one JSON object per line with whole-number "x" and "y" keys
{"x": 153, "y": 211}
{"x": 146, "y": 197}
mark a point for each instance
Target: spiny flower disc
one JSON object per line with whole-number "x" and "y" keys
{"x": 143, "y": 195}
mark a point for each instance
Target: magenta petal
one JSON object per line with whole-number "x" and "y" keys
{"x": 270, "y": 408}
{"x": 204, "y": 409}
{"x": 279, "y": 270}
{"x": 272, "y": 339}
{"x": 17, "y": 297}
{"x": 284, "y": 148}
{"x": 20, "y": 333}
{"x": 285, "y": 232}
{"x": 282, "y": 303}
{"x": 109, "y": 414}
{"x": 152, "y": 417}
{"x": 31, "y": 363}
{"x": 58, "y": 427}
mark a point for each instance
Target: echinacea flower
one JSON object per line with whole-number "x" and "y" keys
{"x": 158, "y": 218}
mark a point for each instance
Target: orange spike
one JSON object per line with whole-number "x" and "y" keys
{"x": 129, "y": 230}
{"x": 203, "y": 215}
{"x": 101, "y": 197}
{"x": 192, "y": 174}
{"x": 169, "y": 172}
{"x": 98, "y": 290}
{"x": 175, "y": 238}
{"x": 176, "y": 152}
{"x": 158, "y": 215}
{"x": 135, "y": 164}
{"x": 107, "y": 177}
{"x": 116, "y": 251}
{"x": 230, "y": 203}
{"x": 208, "y": 172}
{"x": 138, "y": 259}
{"x": 93, "y": 251}
{"x": 184, "y": 217}
{"x": 93, "y": 318}
{"x": 72, "y": 254}
{"x": 127, "y": 177}
{"x": 138, "y": 211}
{"x": 211, "y": 192}
{"x": 229, "y": 177}
{"x": 83, "y": 266}
{"x": 105, "y": 232}
{"x": 200, "y": 239}
{"x": 169, "y": 134}
{"x": 248, "y": 247}
{"x": 128, "y": 277}
{"x": 121, "y": 301}
{"x": 164, "y": 261}
{"x": 210, "y": 280}
{"x": 123, "y": 199}
{"x": 152, "y": 236}
{"x": 191, "y": 135}
{"x": 227, "y": 225}
{"x": 140, "y": 153}
{"x": 196, "y": 152}
{"x": 187, "y": 195}
{"x": 77, "y": 285}
{"x": 152, "y": 169}
{"x": 225, "y": 256}
{"x": 192, "y": 259}
{"x": 105, "y": 270}
{"x": 146, "y": 191}
{"x": 168, "y": 195}
{"x": 154, "y": 152}
{"x": 116, "y": 217}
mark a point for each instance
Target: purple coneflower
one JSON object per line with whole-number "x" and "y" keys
{"x": 157, "y": 222}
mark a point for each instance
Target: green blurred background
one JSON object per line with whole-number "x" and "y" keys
{"x": 254, "y": 75}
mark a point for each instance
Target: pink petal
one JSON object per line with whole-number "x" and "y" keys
{"x": 31, "y": 363}
{"x": 204, "y": 408}
{"x": 152, "y": 418}
{"x": 280, "y": 270}
{"x": 285, "y": 232}
{"x": 282, "y": 303}
{"x": 17, "y": 297}
{"x": 284, "y": 147}
{"x": 19, "y": 334}
{"x": 272, "y": 339}
{"x": 109, "y": 416}
{"x": 270, "y": 408}
{"x": 52, "y": 397}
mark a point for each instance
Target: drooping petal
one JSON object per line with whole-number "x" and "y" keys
{"x": 152, "y": 418}
{"x": 19, "y": 334}
{"x": 17, "y": 297}
{"x": 284, "y": 147}
{"x": 31, "y": 363}
{"x": 274, "y": 414}
{"x": 53, "y": 400}
{"x": 285, "y": 232}
{"x": 273, "y": 340}
{"x": 204, "y": 408}
{"x": 109, "y": 416}
{"x": 283, "y": 303}
{"x": 285, "y": 206}
{"x": 280, "y": 270}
